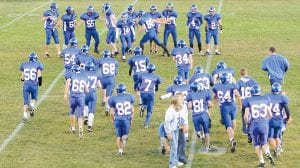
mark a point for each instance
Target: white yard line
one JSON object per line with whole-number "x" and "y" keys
{"x": 193, "y": 142}
{"x": 18, "y": 18}
{"x": 41, "y": 100}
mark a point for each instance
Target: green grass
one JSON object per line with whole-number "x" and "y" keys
{"x": 250, "y": 28}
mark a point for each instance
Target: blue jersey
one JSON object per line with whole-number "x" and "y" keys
{"x": 258, "y": 108}
{"x": 108, "y": 67}
{"x": 205, "y": 79}
{"x": 125, "y": 27}
{"x": 69, "y": 55}
{"x": 123, "y": 105}
{"x": 90, "y": 20}
{"x": 277, "y": 102}
{"x": 132, "y": 16}
{"x": 78, "y": 83}
{"x": 225, "y": 92}
{"x": 212, "y": 21}
{"x": 174, "y": 89}
{"x": 68, "y": 22}
{"x": 244, "y": 86}
{"x": 50, "y": 23}
{"x": 108, "y": 20}
{"x": 182, "y": 56}
{"x": 148, "y": 21}
{"x": 194, "y": 20}
{"x": 30, "y": 69}
{"x": 138, "y": 63}
{"x": 276, "y": 66}
{"x": 148, "y": 82}
{"x": 92, "y": 78}
{"x": 199, "y": 101}
{"x": 171, "y": 16}
{"x": 82, "y": 58}
{"x": 218, "y": 72}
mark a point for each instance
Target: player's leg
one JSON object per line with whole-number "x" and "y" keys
{"x": 129, "y": 45}
{"x": 198, "y": 38}
{"x": 276, "y": 137}
{"x": 34, "y": 95}
{"x": 86, "y": 107}
{"x": 118, "y": 131}
{"x": 150, "y": 104}
{"x": 92, "y": 109}
{"x": 95, "y": 35}
{"x": 47, "y": 42}
{"x": 244, "y": 129}
{"x": 191, "y": 38}
{"x": 123, "y": 46}
{"x": 144, "y": 39}
{"x": 72, "y": 103}
{"x": 56, "y": 41}
{"x": 126, "y": 129}
{"x": 88, "y": 35}
{"x": 207, "y": 41}
{"x": 109, "y": 91}
{"x": 80, "y": 107}
{"x": 205, "y": 125}
{"x": 66, "y": 39}
{"x": 226, "y": 119}
{"x": 263, "y": 138}
{"x": 174, "y": 36}
{"x": 271, "y": 134}
{"x": 26, "y": 98}
{"x": 159, "y": 43}
{"x": 216, "y": 42}
{"x": 166, "y": 36}
{"x": 143, "y": 106}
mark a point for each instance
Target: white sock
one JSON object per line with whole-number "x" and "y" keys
{"x": 186, "y": 135}
{"x": 85, "y": 111}
{"x": 120, "y": 150}
{"x": 32, "y": 103}
{"x": 262, "y": 161}
{"x": 91, "y": 119}
{"x": 73, "y": 128}
{"x": 140, "y": 100}
{"x": 25, "y": 114}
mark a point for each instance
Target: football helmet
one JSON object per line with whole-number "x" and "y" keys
{"x": 33, "y": 57}
{"x": 198, "y": 70}
{"x": 224, "y": 78}
{"x": 276, "y": 88}
{"x": 69, "y": 10}
{"x": 73, "y": 42}
{"x": 221, "y": 65}
{"x": 194, "y": 8}
{"x": 106, "y": 7}
{"x": 84, "y": 49}
{"x": 121, "y": 88}
{"x": 178, "y": 80}
{"x": 106, "y": 54}
{"x": 181, "y": 43}
{"x": 75, "y": 68}
{"x": 151, "y": 68}
{"x": 137, "y": 51}
{"x": 255, "y": 90}
{"x": 89, "y": 66}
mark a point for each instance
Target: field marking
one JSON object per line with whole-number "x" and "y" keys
{"x": 43, "y": 97}
{"x": 18, "y": 18}
{"x": 192, "y": 146}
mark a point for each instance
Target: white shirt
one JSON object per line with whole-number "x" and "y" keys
{"x": 173, "y": 119}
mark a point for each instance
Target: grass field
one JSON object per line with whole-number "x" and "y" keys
{"x": 250, "y": 28}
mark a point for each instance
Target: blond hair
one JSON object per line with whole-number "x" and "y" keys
{"x": 176, "y": 101}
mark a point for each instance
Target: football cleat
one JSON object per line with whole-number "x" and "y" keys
{"x": 146, "y": 126}
{"x": 72, "y": 130}
{"x": 211, "y": 149}
{"x": 163, "y": 150}
{"x": 47, "y": 55}
{"x": 269, "y": 156}
{"x": 142, "y": 110}
{"x": 233, "y": 145}
{"x": 123, "y": 58}
{"x": 80, "y": 134}
{"x": 85, "y": 122}
{"x": 90, "y": 129}
{"x": 207, "y": 53}
{"x": 24, "y": 119}
{"x": 96, "y": 51}
{"x": 120, "y": 153}
{"x": 31, "y": 111}
{"x": 106, "y": 111}
{"x": 261, "y": 165}
{"x": 201, "y": 53}
{"x": 179, "y": 164}
{"x": 103, "y": 104}
{"x": 116, "y": 53}
{"x": 249, "y": 138}
{"x": 217, "y": 52}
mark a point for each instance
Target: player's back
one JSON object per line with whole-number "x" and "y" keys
{"x": 205, "y": 79}
{"x": 82, "y": 58}
{"x": 174, "y": 89}
{"x": 139, "y": 63}
{"x": 277, "y": 103}
{"x": 148, "y": 81}
{"x": 108, "y": 67}
{"x": 78, "y": 82}
{"x": 199, "y": 101}
{"x": 30, "y": 70}
{"x": 259, "y": 107}
{"x": 244, "y": 86}
{"x": 122, "y": 103}
{"x": 182, "y": 55}
{"x": 92, "y": 78}
{"x": 70, "y": 55}
{"x": 225, "y": 92}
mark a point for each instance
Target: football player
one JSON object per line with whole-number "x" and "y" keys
{"x": 276, "y": 65}
{"x": 89, "y": 18}
{"x": 244, "y": 87}
{"x": 111, "y": 24}
{"x": 203, "y": 78}
{"x": 133, "y": 16}
{"x": 279, "y": 108}
{"x": 225, "y": 93}
{"x": 258, "y": 113}
{"x": 126, "y": 27}
{"x": 69, "y": 23}
{"x": 84, "y": 56}
{"x": 148, "y": 84}
{"x": 31, "y": 75}
{"x": 178, "y": 86}
{"x": 138, "y": 65}
{"x": 220, "y": 69}
{"x": 109, "y": 70}
{"x": 148, "y": 21}
{"x": 154, "y": 15}
{"x": 122, "y": 113}
{"x": 69, "y": 54}
{"x": 75, "y": 88}
{"x": 50, "y": 23}
{"x": 200, "y": 100}
{"x": 93, "y": 82}
{"x": 170, "y": 27}
{"x": 213, "y": 26}
{"x": 183, "y": 57}
{"x": 194, "y": 21}
{"x": 164, "y": 143}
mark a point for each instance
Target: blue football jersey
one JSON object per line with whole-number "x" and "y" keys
{"x": 138, "y": 63}
{"x": 108, "y": 67}
{"x": 225, "y": 92}
{"x": 82, "y": 58}
{"x": 132, "y": 16}
{"x": 148, "y": 22}
{"x": 182, "y": 55}
{"x": 108, "y": 21}
{"x": 244, "y": 86}
{"x": 212, "y": 21}
{"x": 78, "y": 83}
{"x": 92, "y": 78}
{"x": 50, "y": 23}
{"x": 277, "y": 102}
{"x": 204, "y": 78}
{"x": 125, "y": 27}
{"x": 69, "y": 55}
{"x": 148, "y": 81}
{"x": 122, "y": 104}
{"x": 194, "y": 20}
{"x": 170, "y": 15}
{"x": 90, "y": 20}
{"x": 199, "y": 101}
{"x": 68, "y": 22}
{"x": 174, "y": 89}
{"x": 259, "y": 107}
{"x": 30, "y": 69}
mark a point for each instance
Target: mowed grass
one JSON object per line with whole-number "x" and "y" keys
{"x": 250, "y": 28}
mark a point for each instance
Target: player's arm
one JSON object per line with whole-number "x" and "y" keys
{"x": 288, "y": 114}
{"x": 111, "y": 113}
{"x": 39, "y": 75}
{"x": 130, "y": 70}
{"x": 220, "y": 24}
{"x": 166, "y": 96}
{"x": 67, "y": 85}
{"x": 215, "y": 100}
{"x": 132, "y": 112}
{"x": 238, "y": 97}
{"x": 99, "y": 84}
{"x": 22, "y": 76}
{"x": 191, "y": 61}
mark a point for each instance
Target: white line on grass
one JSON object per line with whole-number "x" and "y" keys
{"x": 192, "y": 146}
{"x": 18, "y": 18}
{"x": 43, "y": 97}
